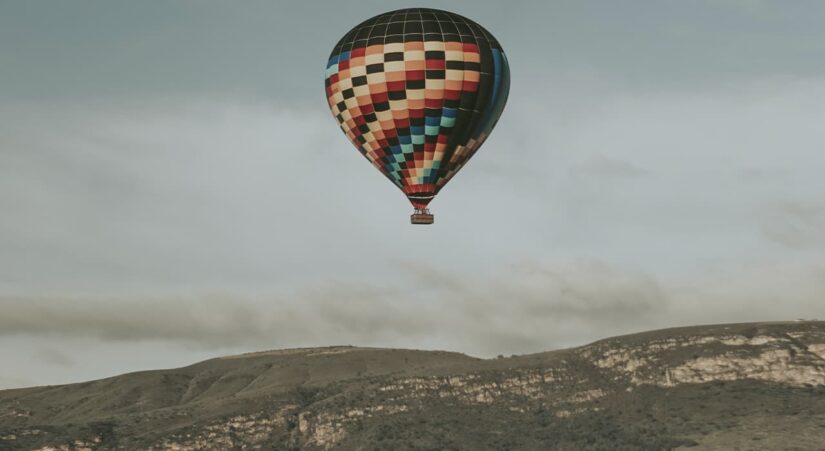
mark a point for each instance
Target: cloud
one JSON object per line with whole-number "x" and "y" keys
{"x": 751, "y": 291}
{"x": 208, "y": 321}
{"x": 796, "y": 224}
{"x": 530, "y": 307}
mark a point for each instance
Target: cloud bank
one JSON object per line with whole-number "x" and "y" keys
{"x": 529, "y": 307}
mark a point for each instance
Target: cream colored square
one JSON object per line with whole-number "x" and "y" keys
{"x": 432, "y": 83}
{"x": 413, "y": 55}
{"x": 337, "y": 98}
{"x": 394, "y": 66}
{"x": 454, "y": 74}
{"x": 374, "y": 59}
{"x": 370, "y": 139}
{"x": 394, "y": 47}
{"x": 453, "y": 55}
{"x": 351, "y": 102}
{"x": 363, "y": 90}
{"x": 384, "y": 116}
{"x": 376, "y": 78}
{"x": 399, "y": 106}
{"x": 358, "y": 71}
{"x": 375, "y": 126}
{"x": 433, "y": 45}
{"x": 345, "y": 83}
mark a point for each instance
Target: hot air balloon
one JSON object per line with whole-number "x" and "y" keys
{"x": 417, "y": 91}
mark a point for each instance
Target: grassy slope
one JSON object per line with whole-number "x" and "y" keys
{"x": 312, "y": 385}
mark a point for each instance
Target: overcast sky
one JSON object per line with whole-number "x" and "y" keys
{"x": 173, "y": 187}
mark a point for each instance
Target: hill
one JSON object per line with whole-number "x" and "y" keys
{"x": 749, "y": 386}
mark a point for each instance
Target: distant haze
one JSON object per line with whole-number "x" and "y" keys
{"x": 172, "y": 186}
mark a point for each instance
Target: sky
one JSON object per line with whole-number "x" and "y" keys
{"x": 173, "y": 187}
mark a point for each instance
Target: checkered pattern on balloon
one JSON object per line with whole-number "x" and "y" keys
{"x": 417, "y": 91}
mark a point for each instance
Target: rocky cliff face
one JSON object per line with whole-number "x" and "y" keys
{"x": 752, "y": 385}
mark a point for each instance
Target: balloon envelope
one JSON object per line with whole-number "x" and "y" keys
{"x": 417, "y": 91}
